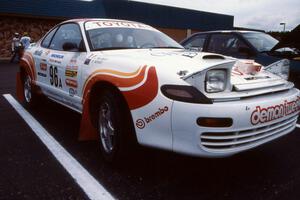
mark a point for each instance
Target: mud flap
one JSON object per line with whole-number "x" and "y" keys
{"x": 87, "y": 130}
{"x": 19, "y": 87}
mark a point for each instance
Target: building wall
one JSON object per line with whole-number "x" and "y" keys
{"x": 9, "y": 25}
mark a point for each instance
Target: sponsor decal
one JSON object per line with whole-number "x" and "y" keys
{"x": 72, "y": 67}
{"x": 42, "y": 74}
{"x": 141, "y": 123}
{"x": 98, "y": 60}
{"x": 73, "y": 61}
{"x": 71, "y": 83}
{"x": 190, "y": 54}
{"x": 58, "y": 97}
{"x": 43, "y": 66}
{"x": 182, "y": 73}
{"x": 115, "y": 23}
{"x": 72, "y": 64}
{"x": 54, "y": 61}
{"x": 47, "y": 52}
{"x": 38, "y": 52}
{"x": 58, "y": 56}
{"x": 263, "y": 115}
{"x": 70, "y": 73}
{"x": 72, "y": 92}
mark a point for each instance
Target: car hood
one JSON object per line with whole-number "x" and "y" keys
{"x": 178, "y": 64}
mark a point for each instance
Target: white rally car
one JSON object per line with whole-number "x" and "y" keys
{"x": 132, "y": 83}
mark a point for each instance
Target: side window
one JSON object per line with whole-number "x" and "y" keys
{"x": 197, "y": 41}
{"x": 67, "y": 38}
{"x": 48, "y": 38}
{"x": 227, "y": 44}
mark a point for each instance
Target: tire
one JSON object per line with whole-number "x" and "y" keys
{"x": 29, "y": 96}
{"x": 113, "y": 126}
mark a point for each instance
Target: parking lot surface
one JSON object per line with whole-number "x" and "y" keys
{"x": 29, "y": 171}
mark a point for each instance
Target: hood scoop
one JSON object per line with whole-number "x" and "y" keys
{"x": 213, "y": 56}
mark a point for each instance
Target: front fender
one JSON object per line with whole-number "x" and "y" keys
{"x": 138, "y": 88}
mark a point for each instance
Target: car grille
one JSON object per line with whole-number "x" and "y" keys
{"x": 229, "y": 141}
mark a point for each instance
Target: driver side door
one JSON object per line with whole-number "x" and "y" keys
{"x": 65, "y": 54}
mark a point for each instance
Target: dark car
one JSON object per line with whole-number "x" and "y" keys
{"x": 258, "y": 46}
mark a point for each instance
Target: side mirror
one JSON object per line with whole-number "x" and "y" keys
{"x": 246, "y": 51}
{"x": 70, "y": 46}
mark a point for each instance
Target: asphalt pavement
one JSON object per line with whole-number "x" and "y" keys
{"x": 29, "y": 171}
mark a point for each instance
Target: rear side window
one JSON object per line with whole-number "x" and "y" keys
{"x": 197, "y": 42}
{"x": 48, "y": 38}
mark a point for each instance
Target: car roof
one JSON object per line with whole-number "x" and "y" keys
{"x": 228, "y": 31}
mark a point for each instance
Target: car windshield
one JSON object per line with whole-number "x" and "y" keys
{"x": 106, "y": 35}
{"x": 261, "y": 41}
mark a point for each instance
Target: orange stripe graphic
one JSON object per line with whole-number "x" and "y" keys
{"x": 119, "y": 82}
{"x": 137, "y": 97}
{"x": 144, "y": 94}
{"x": 27, "y": 62}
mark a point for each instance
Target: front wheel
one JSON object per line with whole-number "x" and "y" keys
{"x": 107, "y": 130}
{"x": 113, "y": 126}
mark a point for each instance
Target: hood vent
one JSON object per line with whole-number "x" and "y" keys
{"x": 213, "y": 56}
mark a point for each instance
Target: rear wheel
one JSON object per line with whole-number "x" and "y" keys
{"x": 29, "y": 96}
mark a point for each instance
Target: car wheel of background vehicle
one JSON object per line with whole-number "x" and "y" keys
{"x": 113, "y": 126}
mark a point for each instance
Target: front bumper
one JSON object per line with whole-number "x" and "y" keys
{"x": 276, "y": 116}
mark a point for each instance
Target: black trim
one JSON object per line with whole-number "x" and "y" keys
{"x": 197, "y": 96}
{"x": 219, "y": 122}
{"x": 87, "y": 34}
{"x": 213, "y": 56}
{"x": 43, "y": 38}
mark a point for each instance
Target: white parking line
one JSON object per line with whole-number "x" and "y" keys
{"x": 92, "y": 188}
{"x": 298, "y": 125}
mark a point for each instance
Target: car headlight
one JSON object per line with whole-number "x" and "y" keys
{"x": 280, "y": 68}
{"x": 215, "y": 80}
{"x": 184, "y": 93}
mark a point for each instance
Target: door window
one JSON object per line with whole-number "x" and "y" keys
{"x": 67, "y": 35}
